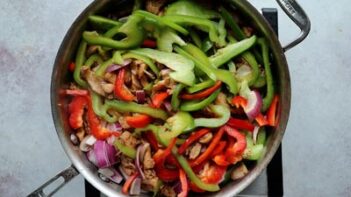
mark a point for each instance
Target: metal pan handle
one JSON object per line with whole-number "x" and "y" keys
{"x": 67, "y": 175}
{"x": 300, "y": 18}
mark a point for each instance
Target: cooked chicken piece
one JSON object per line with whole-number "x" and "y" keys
{"x": 239, "y": 172}
{"x": 248, "y": 31}
{"x": 206, "y": 138}
{"x": 127, "y": 165}
{"x": 94, "y": 81}
{"x": 155, "y": 6}
{"x": 128, "y": 139}
{"x": 168, "y": 191}
{"x": 135, "y": 83}
{"x": 144, "y": 81}
{"x": 80, "y": 134}
{"x": 123, "y": 122}
{"x": 151, "y": 180}
{"x": 148, "y": 162}
{"x": 92, "y": 49}
{"x": 107, "y": 87}
{"x": 141, "y": 68}
{"x": 194, "y": 151}
{"x": 110, "y": 77}
{"x": 222, "y": 100}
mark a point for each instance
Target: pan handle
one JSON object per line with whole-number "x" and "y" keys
{"x": 67, "y": 175}
{"x": 299, "y": 17}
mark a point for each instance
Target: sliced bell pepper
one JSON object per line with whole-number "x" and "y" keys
{"x": 196, "y": 38}
{"x": 179, "y": 122}
{"x": 195, "y": 105}
{"x": 267, "y": 100}
{"x": 159, "y": 157}
{"x": 148, "y": 43}
{"x": 158, "y": 99}
{"x": 252, "y": 152}
{"x": 261, "y": 120}
{"x": 77, "y": 92}
{"x": 200, "y": 86}
{"x": 103, "y": 23}
{"x": 138, "y": 121}
{"x": 220, "y": 147}
{"x": 131, "y": 29}
{"x": 166, "y": 37}
{"x": 239, "y": 101}
{"x": 182, "y": 67}
{"x": 175, "y": 102}
{"x": 223, "y": 55}
{"x": 151, "y": 138}
{"x": 134, "y": 107}
{"x": 76, "y": 111}
{"x": 79, "y": 61}
{"x": 207, "y": 153}
{"x": 120, "y": 90}
{"x": 234, "y": 153}
{"x": 99, "y": 109}
{"x": 184, "y": 184}
{"x": 128, "y": 183}
{"x": 240, "y": 124}
{"x": 222, "y": 116}
{"x": 272, "y": 110}
{"x": 71, "y": 66}
{"x": 190, "y": 8}
{"x": 203, "y": 93}
{"x": 128, "y": 151}
{"x": 192, "y": 176}
{"x": 192, "y": 138}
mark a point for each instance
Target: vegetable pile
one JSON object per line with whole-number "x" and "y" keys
{"x": 171, "y": 99}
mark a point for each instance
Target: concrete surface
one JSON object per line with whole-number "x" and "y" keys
{"x": 316, "y": 148}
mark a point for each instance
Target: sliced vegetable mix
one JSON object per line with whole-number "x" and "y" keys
{"x": 173, "y": 99}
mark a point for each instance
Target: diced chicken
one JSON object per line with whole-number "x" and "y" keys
{"x": 148, "y": 162}
{"x": 206, "y": 138}
{"x": 127, "y": 164}
{"x": 107, "y": 87}
{"x": 194, "y": 151}
{"x": 123, "y": 122}
{"x": 222, "y": 100}
{"x": 155, "y": 6}
{"x": 110, "y": 77}
{"x": 239, "y": 172}
{"x": 168, "y": 191}
{"x": 151, "y": 180}
{"x": 128, "y": 139}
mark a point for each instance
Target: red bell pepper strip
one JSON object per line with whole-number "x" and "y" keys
{"x": 149, "y": 43}
{"x": 120, "y": 90}
{"x": 218, "y": 150}
{"x": 184, "y": 184}
{"x": 97, "y": 130}
{"x": 77, "y": 92}
{"x": 202, "y": 94}
{"x": 158, "y": 98}
{"x": 194, "y": 188}
{"x": 205, "y": 155}
{"x": 215, "y": 174}
{"x": 239, "y": 101}
{"x": 76, "y": 111}
{"x": 261, "y": 120}
{"x": 151, "y": 138}
{"x": 192, "y": 138}
{"x": 138, "y": 121}
{"x": 171, "y": 160}
{"x": 240, "y": 124}
{"x": 234, "y": 152}
{"x": 221, "y": 160}
{"x": 71, "y": 66}
{"x": 159, "y": 157}
{"x": 128, "y": 183}
{"x": 271, "y": 113}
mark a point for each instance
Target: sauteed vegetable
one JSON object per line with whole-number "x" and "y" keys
{"x": 175, "y": 97}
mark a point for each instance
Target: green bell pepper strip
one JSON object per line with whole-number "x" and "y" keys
{"x": 238, "y": 33}
{"x": 190, "y": 8}
{"x": 261, "y": 136}
{"x": 132, "y": 29}
{"x": 122, "y": 106}
{"x": 208, "y": 70}
{"x": 88, "y": 63}
{"x": 145, "y": 59}
{"x": 196, "y": 38}
{"x": 222, "y": 113}
{"x": 160, "y": 21}
{"x": 202, "y": 62}
{"x": 231, "y": 67}
{"x": 267, "y": 100}
{"x": 103, "y": 23}
{"x": 252, "y": 152}
{"x": 128, "y": 151}
{"x": 198, "y": 105}
{"x": 225, "y": 54}
{"x": 200, "y": 86}
{"x": 222, "y": 33}
{"x": 178, "y": 123}
{"x": 182, "y": 67}
{"x": 192, "y": 176}
{"x": 251, "y": 60}
{"x": 207, "y": 44}
{"x": 200, "y": 23}
{"x": 175, "y": 96}
{"x": 151, "y": 127}
{"x": 80, "y": 59}
{"x": 166, "y": 37}
{"x": 261, "y": 81}
{"x": 92, "y": 59}
{"x": 99, "y": 110}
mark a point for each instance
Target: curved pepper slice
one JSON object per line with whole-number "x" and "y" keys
{"x": 131, "y": 29}
{"x": 129, "y": 182}
{"x": 192, "y": 138}
{"x": 240, "y": 124}
{"x": 126, "y": 150}
{"x": 184, "y": 184}
{"x": 222, "y": 116}
{"x": 120, "y": 90}
{"x": 189, "y": 8}
{"x": 195, "y": 105}
{"x": 203, "y": 93}
{"x": 80, "y": 59}
{"x": 138, "y": 121}
{"x": 159, "y": 157}
{"x": 76, "y": 111}
{"x": 234, "y": 152}
{"x": 158, "y": 98}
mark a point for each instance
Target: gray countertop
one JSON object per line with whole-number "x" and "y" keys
{"x": 316, "y": 147}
